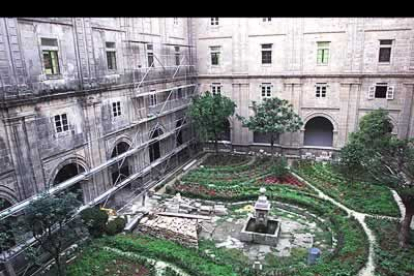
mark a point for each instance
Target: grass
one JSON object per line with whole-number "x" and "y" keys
{"x": 361, "y": 197}
{"x": 95, "y": 261}
{"x": 391, "y": 259}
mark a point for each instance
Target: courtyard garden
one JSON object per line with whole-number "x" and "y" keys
{"x": 253, "y": 215}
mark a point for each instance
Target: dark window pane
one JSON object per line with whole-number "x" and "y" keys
{"x": 150, "y": 59}
{"x": 266, "y": 57}
{"x": 215, "y": 58}
{"x": 380, "y": 91}
{"x": 385, "y": 55}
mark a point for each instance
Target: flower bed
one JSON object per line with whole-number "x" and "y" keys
{"x": 288, "y": 180}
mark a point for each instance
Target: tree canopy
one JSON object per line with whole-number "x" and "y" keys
{"x": 209, "y": 113}
{"x": 273, "y": 116}
{"x": 384, "y": 159}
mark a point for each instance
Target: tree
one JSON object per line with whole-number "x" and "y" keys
{"x": 209, "y": 113}
{"x": 387, "y": 160}
{"x": 95, "y": 219}
{"x": 48, "y": 218}
{"x": 273, "y": 116}
{"x": 349, "y": 166}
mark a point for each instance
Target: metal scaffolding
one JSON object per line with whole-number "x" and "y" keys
{"x": 176, "y": 97}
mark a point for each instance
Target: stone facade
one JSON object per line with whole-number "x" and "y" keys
{"x": 353, "y": 67}
{"x": 104, "y": 104}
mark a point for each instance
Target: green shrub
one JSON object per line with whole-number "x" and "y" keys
{"x": 95, "y": 220}
{"x": 115, "y": 226}
{"x": 279, "y": 167}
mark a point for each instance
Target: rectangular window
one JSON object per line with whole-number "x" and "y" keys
{"x": 116, "y": 109}
{"x": 150, "y": 55}
{"x": 266, "y": 53}
{"x": 215, "y": 55}
{"x": 216, "y": 88}
{"x": 177, "y": 55}
{"x": 321, "y": 90}
{"x": 50, "y": 53}
{"x": 381, "y": 90}
{"x": 111, "y": 55}
{"x": 323, "y": 53}
{"x": 152, "y": 99}
{"x": 385, "y": 51}
{"x": 51, "y": 62}
{"x": 175, "y": 20}
{"x": 266, "y": 90}
{"x": 214, "y": 21}
{"x": 267, "y": 19}
{"x": 61, "y": 123}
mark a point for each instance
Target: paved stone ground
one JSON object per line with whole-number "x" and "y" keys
{"x": 225, "y": 232}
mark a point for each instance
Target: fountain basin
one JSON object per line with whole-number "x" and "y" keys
{"x": 266, "y": 236}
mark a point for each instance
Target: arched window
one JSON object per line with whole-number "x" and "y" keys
{"x": 67, "y": 172}
{"x": 319, "y": 132}
{"x": 120, "y": 170}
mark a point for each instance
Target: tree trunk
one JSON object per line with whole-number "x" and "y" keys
{"x": 58, "y": 265}
{"x": 404, "y": 235}
{"x": 272, "y": 141}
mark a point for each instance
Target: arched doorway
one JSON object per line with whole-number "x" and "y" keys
{"x": 120, "y": 170}
{"x": 319, "y": 132}
{"x": 67, "y": 172}
{"x": 154, "y": 148}
{"x": 226, "y": 134}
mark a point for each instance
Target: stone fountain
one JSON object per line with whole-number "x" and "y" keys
{"x": 260, "y": 228}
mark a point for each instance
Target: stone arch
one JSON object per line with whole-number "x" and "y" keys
{"x": 67, "y": 169}
{"x": 319, "y": 131}
{"x": 123, "y": 138}
{"x": 121, "y": 169}
{"x": 8, "y": 196}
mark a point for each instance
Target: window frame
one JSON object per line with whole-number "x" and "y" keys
{"x": 152, "y": 101}
{"x": 216, "y": 88}
{"x": 214, "y": 21}
{"x": 266, "y": 49}
{"x": 59, "y": 120}
{"x": 150, "y": 53}
{"x": 321, "y": 90}
{"x": 111, "y": 51}
{"x": 323, "y": 47}
{"x": 116, "y": 109}
{"x": 49, "y": 49}
{"x": 266, "y": 90}
{"x": 385, "y": 46}
{"x": 215, "y": 50}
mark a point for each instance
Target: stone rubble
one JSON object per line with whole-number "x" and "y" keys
{"x": 181, "y": 230}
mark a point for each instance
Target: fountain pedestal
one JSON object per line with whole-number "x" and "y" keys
{"x": 260, "y": 228}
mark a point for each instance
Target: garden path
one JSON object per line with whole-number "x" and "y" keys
{"x": 369, "y": 268}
